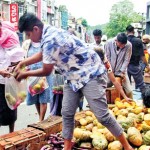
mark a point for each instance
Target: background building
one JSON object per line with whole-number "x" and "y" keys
{"x": 148, "y": 19}
{"x": 46, "y": 10}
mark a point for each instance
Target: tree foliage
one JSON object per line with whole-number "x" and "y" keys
{"x": 121, "y": 15}
{"x": 63, "y": 8}
{"x": 101, "y": 27}
{"x": 84, "y": 23}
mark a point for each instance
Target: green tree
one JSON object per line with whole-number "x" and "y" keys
{"x": 63, "y": 8}
{"x": 101, "y": 27}
{"x": 84, "y": 23}
{"x": 121, "y": 15}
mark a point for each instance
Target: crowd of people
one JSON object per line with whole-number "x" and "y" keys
{"x": 87, "y": 70}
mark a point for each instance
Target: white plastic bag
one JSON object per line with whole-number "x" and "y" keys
{"x": 15, "y": 92}
{"x": 36, "y": 85}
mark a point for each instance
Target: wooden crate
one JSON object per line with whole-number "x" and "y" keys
{"x": 52, "y": 124}
{"x": 108, "y": 96}
{"x": 111, "y": 95}
{"x": 19, "y": 140}
{"x": 147, "y": 79}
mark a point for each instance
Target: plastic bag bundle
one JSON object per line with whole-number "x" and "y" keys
{"x": 15, "y": 92}
{"x": 36, "y": 85}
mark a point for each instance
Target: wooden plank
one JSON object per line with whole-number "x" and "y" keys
{"x": 19, "y": 140}
{"x": 113, "y": 94}
{"x": 52, "y": 124}
{"x": 147, "y": 79}
{"x": 108, "y": 96}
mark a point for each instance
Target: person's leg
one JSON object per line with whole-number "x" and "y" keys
{"x": 137, "y": 74}
{"x": 43, "y": 108}
{"x": 124, "y": 142}
{"x": 7, "y": 116}
{"x": 12, "y": 118}
{"x": 129, "y": 75}
{"x": 95, "y": 93}
{"x": 44, "y": 98}
{"x": 11, "y": 127}
{"x": 127, "y": 87}
{"x": 33, "y": 100}
{"x": 69, "y": 105}
{"x": 38, "y": 108}
{"x": 142, "y": 65}
{"x": 81, "y": 103}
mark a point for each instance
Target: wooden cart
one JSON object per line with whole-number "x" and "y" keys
{"x": 52, "y": 124}
{"x": 20, "y": 140}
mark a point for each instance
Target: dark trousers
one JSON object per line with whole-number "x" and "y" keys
{"x": 137, "y": 74}
{"x": 7, "y": 116}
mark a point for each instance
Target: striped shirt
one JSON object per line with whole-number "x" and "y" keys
{"x": 118, "y": 60}
{"x": 74, "y": 59}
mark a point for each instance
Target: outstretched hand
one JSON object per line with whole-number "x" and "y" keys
{"x": 5, "y": 73}
{"x": 128, "y": 99}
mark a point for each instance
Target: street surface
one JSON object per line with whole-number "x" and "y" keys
{"x": 27, "y": 115}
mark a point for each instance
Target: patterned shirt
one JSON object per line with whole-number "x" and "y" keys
{"x": 76, "y": 61}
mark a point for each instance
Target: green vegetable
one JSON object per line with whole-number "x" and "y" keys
{"x": 134, "y": 136}
{"x": 100, "y": 143}
{"x": 144, "y": 147}
{"x": 82, "y": 134}
{"x": 127, "y": 123}
{"x": 146, "y": 138}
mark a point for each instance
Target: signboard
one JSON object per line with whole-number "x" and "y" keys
{"x": 14, "y": 15}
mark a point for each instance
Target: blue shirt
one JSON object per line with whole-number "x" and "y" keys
{"x": 47, "y": 95}
{"x": 74, "y": 59}
{"x": 33, "y": 50}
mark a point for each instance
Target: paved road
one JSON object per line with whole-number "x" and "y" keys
{"x": 26, "y": 115}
